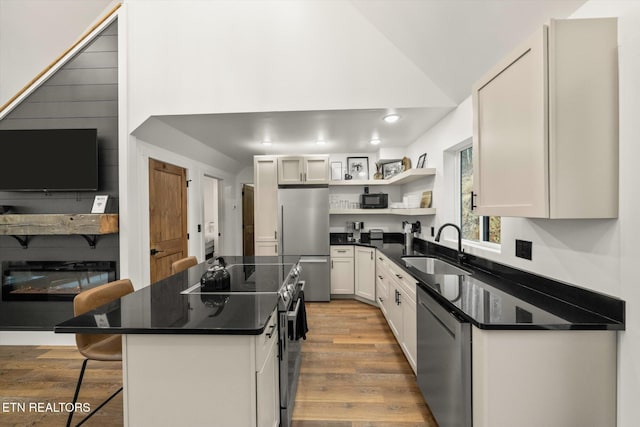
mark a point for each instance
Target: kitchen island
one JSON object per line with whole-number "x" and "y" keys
{"x": 199, "y": 358}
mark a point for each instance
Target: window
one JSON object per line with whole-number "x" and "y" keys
{"x": 474, "y": 227}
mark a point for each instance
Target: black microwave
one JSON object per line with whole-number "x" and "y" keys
{"x": 374, "y": 201}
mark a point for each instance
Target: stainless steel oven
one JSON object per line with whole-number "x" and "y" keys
{"x": 290, "y": 347}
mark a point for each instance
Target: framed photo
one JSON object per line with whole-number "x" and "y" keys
{"x": 391, "y": 169}
{"x": 422, "y": 160}
{"x": 99, "y": 204}
{"x": 358, "y": 167}
{"x": 336, "y": 171}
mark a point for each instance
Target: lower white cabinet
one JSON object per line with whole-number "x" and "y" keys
{"x": 400, "y": 306}
{"x": 267, "y": 390}
{"x": 342, "y": 270}
{"x": 365, "y": 273}
{"x": 202, "y": 380}
{"x": 266, "y": 248}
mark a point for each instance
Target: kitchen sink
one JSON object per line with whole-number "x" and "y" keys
{"x": 430, "y": 265}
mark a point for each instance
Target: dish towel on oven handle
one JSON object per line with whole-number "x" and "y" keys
{"x": 301, "y": 320}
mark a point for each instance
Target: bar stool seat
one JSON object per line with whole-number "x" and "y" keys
{"x": 183, "y": 264}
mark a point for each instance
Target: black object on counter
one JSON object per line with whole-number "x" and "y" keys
{"x": 217, "y": 278}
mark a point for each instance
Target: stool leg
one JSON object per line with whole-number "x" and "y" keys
{"x": 75, "y": 395}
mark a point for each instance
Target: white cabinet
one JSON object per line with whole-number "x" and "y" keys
{"x": 400, "y": 307}
{"x": 545, "y": 141}
{"x": 265, "y": 179}
{"x": 303, "y": 169}
{"x": 365, "y": 272}
{"x": 214, "y": 380}
{"x": 267, "y": 378}
{"x": 565, "y": 378}
{"x": 342, "y": 274}
{"x": 266, "y": 248}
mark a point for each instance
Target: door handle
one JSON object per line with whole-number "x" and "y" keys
{"x": 300, "y": 176}
{"x": 154, "y": 251}
{"x": 473, "y": 205}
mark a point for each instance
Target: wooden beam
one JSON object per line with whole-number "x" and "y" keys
{"x": 58, "y": 224}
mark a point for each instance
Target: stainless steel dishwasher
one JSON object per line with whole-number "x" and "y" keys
{"x": 444, "y": 362}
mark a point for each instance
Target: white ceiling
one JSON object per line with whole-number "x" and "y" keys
{"x": 453, "y": 42}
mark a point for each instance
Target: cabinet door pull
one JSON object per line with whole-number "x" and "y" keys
{"x": 332, "y": 264}
{"x": 380, "y": 277}
{"x": 398, "y": 276}
{"x": 275, "y": 234}
{"x": 380, "y": 258}
{"x": 371, "y": 256}
{"x": 300, "y": 176}
{"x": 305, "y": 176}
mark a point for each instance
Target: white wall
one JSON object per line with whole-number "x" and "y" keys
{"x": 33, "y": 33}
{"x": 596, "y": 254}
{"x": 192, "y": 57}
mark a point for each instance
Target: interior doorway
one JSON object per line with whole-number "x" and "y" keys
{"x": 248, "y": 248}
{"x": 167, "y": 217}
{"x": 212, "y": 233}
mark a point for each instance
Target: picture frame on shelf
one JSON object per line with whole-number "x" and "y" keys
{"x": 358, "y": 167}
{"x": 391, "y": 169}
{"x": 336, "y": 171}
{"x": 422, "y": 160}
{"x": 99, "y": 204}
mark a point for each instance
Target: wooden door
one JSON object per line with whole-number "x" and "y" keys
{"x": 248, "y": 248}
{"x": 167, "y": 217}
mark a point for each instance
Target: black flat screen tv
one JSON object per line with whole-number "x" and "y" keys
{"x": 49, "y": 160}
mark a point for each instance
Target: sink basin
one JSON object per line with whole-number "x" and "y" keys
{"x": 430, "y": 265}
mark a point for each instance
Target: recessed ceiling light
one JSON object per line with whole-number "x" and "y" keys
{"x": 266, "y": 142}
{"x": 375, "y": 141}
{"x": 391, "y": 118}
{"x": 321, "y": 142}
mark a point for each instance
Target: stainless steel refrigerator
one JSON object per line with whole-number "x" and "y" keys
{"x": 304, "y": 231}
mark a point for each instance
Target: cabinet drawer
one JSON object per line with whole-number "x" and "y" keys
{"x": 341, "y": 251}
{"x": 268, "y": 338}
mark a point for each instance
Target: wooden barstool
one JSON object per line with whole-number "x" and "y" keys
{"x": 183, "y": 264}
{"x": 103, "y": 347}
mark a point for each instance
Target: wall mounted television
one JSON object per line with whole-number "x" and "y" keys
{"x": 49, "y": 160}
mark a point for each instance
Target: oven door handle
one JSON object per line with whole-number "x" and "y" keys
{"x": 293, "y": 315}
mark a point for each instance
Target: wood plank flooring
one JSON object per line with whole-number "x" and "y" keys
{"x": 353, "y": 375}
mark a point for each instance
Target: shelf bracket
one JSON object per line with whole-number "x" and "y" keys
{"x": 91, "y": 239}
{"x": 24, "y": 241}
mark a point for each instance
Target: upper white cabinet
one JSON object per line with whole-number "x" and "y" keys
{"x": 265, "y": 178}
{"x": 545, "y": 141}
{"x": 303, "y": 169}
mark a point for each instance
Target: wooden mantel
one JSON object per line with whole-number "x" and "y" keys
{"x": 58, "y": 224}
{"x": 85, "y": 225}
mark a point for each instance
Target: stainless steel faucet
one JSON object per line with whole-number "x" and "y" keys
{"x": 461, "y": 254}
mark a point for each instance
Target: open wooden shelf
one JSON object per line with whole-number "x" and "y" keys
{"x": 87, "y": 225}
{"x": 402, "y": 178}
{"x": 407, "y": 212}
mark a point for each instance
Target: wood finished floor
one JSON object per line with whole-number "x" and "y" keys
{"x": 353, "y": 375}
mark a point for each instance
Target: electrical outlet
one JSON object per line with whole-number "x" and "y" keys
{"x": 523, "y": 249}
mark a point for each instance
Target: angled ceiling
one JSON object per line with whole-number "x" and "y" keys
{"x": 452, "y": 42}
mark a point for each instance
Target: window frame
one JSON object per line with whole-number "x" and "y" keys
{"x": 484, "y": 220}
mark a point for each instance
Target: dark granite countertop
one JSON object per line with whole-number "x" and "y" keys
{"x": 494, "y": 296}
{"x": 165, "y": 308}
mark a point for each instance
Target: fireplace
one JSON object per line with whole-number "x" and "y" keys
{"x": 53, "y": 280}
